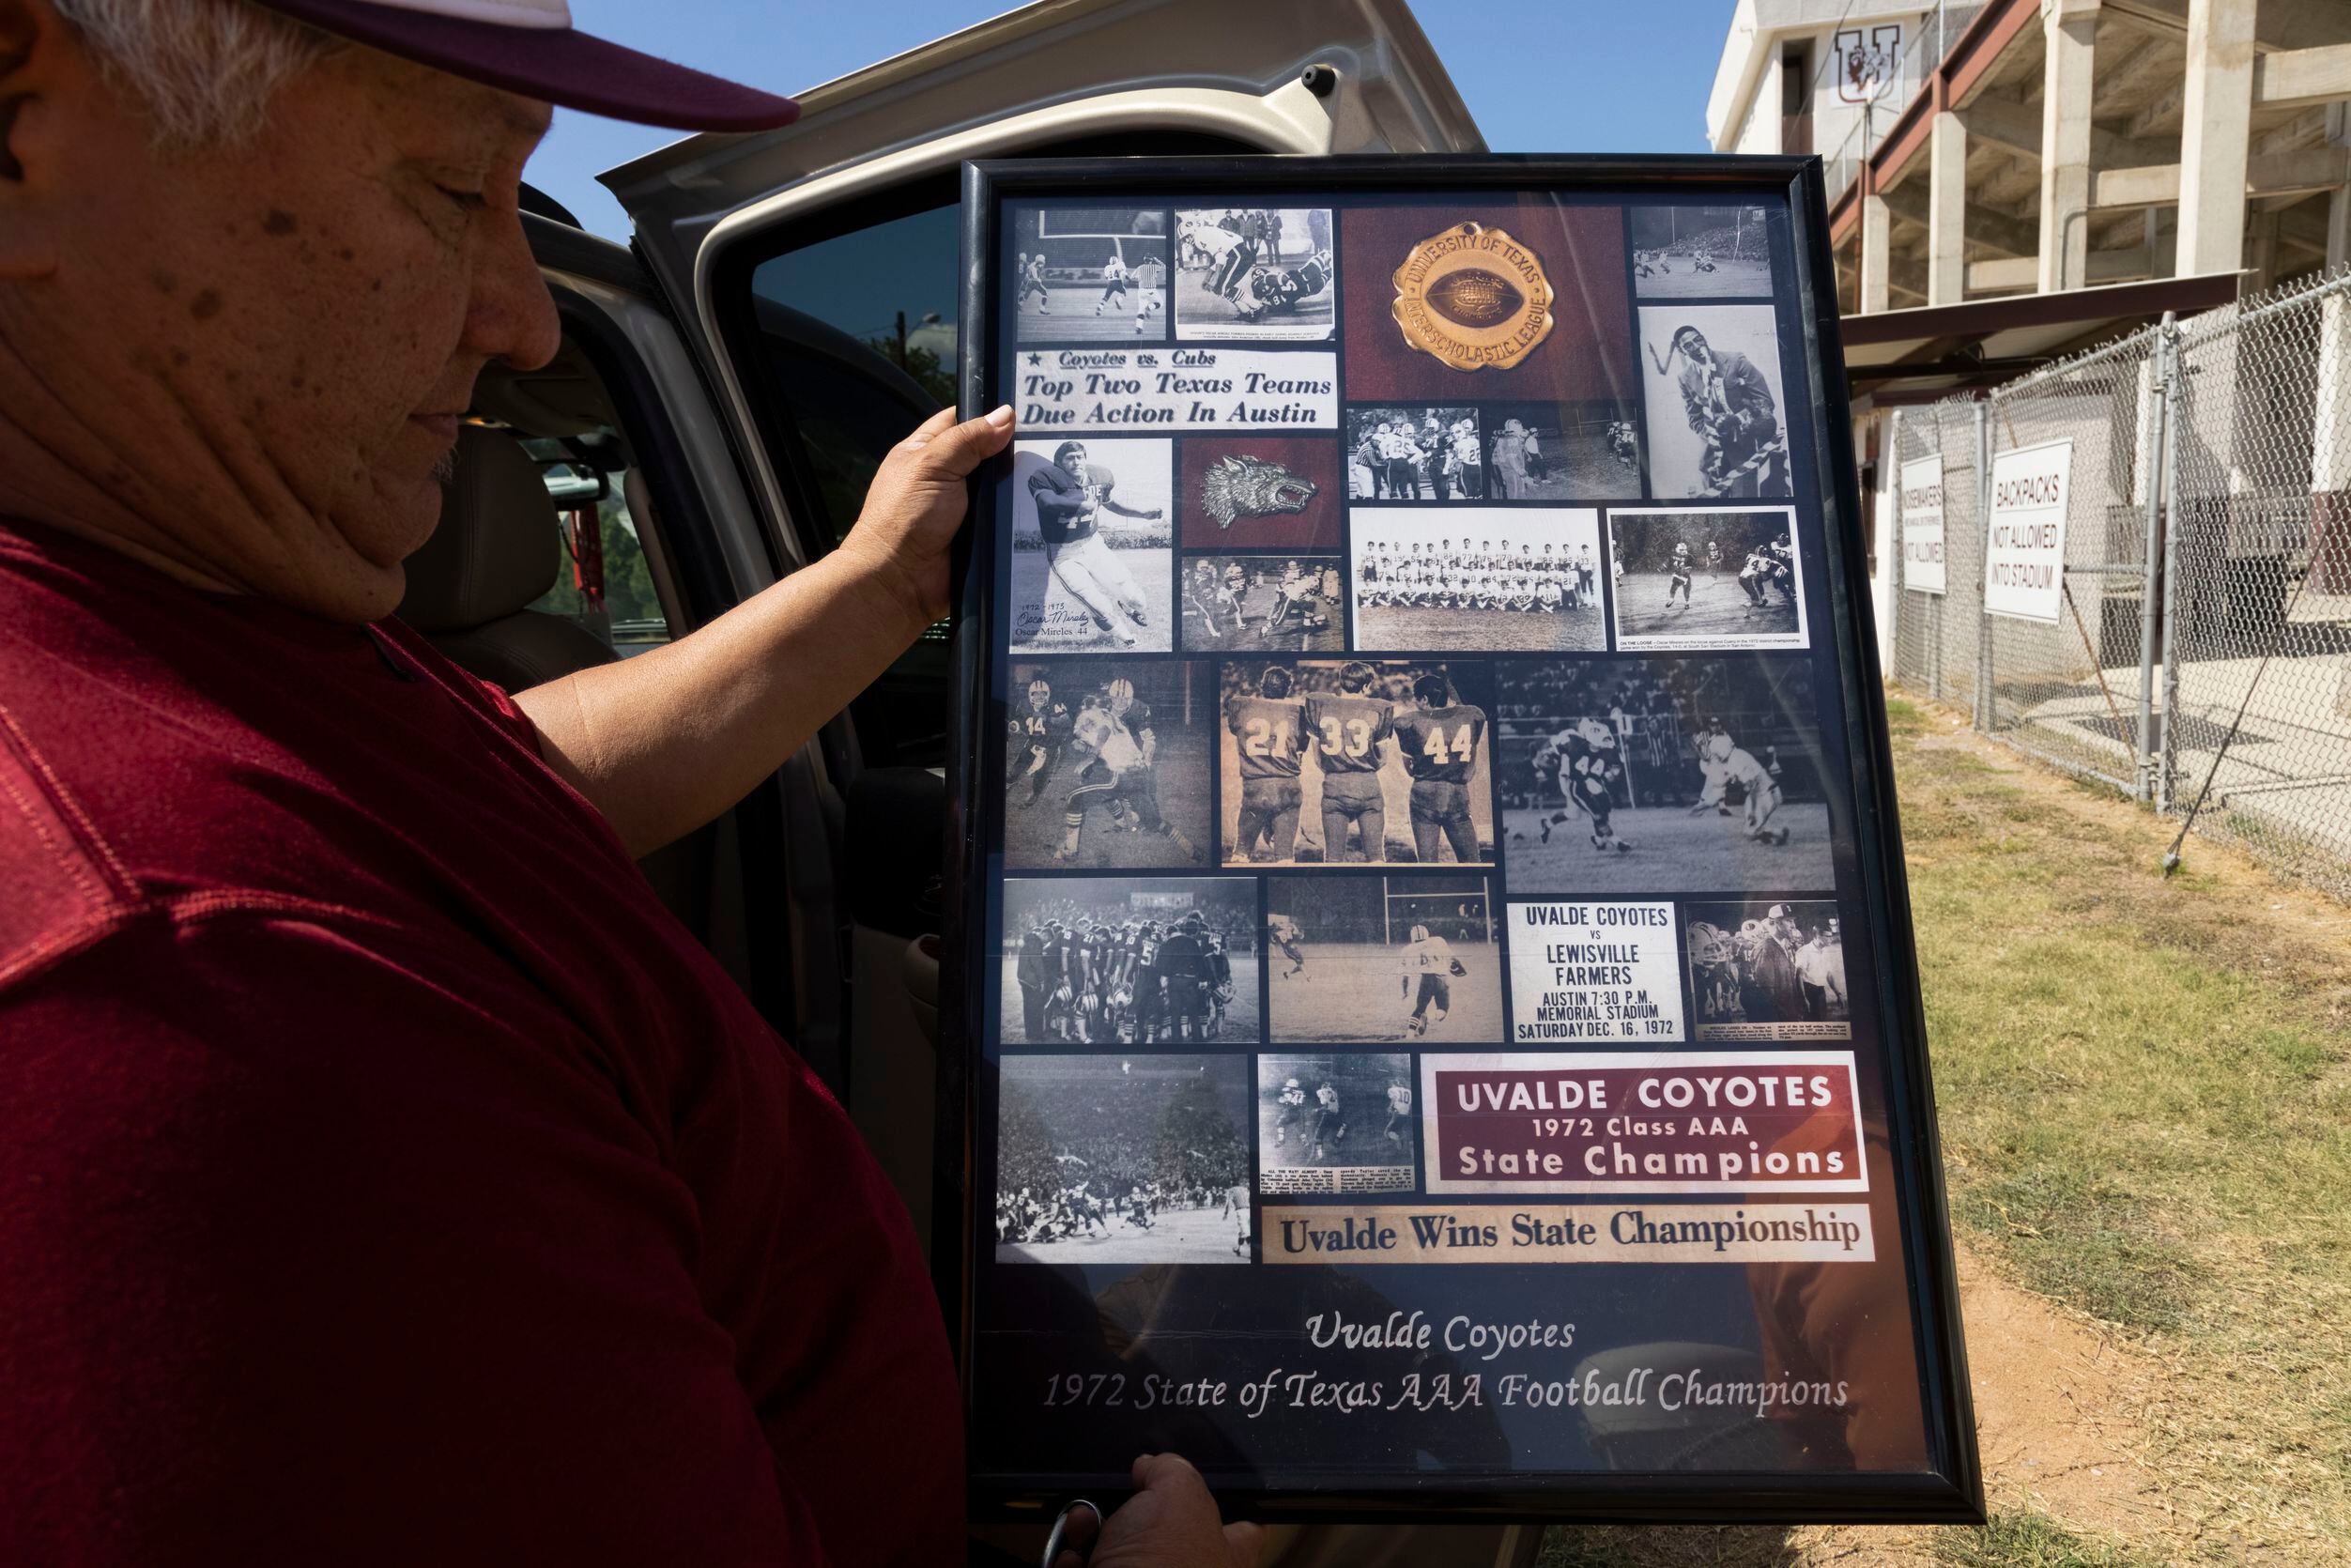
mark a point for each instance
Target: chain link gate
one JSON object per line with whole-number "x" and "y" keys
{"x": 2259, "y": 646}
{"x": 2201, "y": 660}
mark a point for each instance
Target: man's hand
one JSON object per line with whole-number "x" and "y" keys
{"x": 1172, "y": 1522}
{"x": 917, "y": 501}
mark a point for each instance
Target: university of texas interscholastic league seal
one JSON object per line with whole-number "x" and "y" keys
{"x": 1473, "y": 296}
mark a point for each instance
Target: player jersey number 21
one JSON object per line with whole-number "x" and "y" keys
{"x": 1263, "y": 738}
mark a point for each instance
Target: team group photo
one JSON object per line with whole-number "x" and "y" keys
{"x": 1091, "y": 275}
{"x": 1705, "y": 579}
{"x": 1661, "y": 775}
{"x": 1264, "y": 604}
{"x": 1337, "y": 1123}
{"x": 1107, "y": 764}
{"x": 1357, "y": 762}
{"x": 1264, "y": 273}
{"x": 1489, "y": 580}
{"x": 1129, "y": 960}
{"x": 1123, "y": 1158}
{"x": 1699, "y": 252}
{"x": 1408, "y": 958}
{"x": 1092, "y": 537}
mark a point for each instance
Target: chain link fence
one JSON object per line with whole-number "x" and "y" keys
{"x": 2196, "y": 649}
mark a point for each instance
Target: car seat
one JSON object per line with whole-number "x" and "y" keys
{"x": 497, "y": 548}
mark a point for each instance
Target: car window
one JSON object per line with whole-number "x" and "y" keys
{"x": 602, "y": 583}
{"x": 856, "y": 332}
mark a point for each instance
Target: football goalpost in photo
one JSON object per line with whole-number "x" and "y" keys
{"x": 1422, "y": 905}
{"x": 1077, "y": 242}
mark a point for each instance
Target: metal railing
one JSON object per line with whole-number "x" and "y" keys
{"x": 2200, "y": 657}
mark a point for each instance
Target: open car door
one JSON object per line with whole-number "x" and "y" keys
{"x": 813, "y": 273}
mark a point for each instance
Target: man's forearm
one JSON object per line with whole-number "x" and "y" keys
{"x": 667, "y": 741}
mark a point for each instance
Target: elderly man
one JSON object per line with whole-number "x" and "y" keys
{"x": 365, "y": 1202}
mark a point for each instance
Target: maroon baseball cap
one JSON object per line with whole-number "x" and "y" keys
{"x": 530, "y": 47}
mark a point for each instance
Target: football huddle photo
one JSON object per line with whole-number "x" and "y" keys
{"x": 1129, "y": 960}
{"x": 1355, "y": 761}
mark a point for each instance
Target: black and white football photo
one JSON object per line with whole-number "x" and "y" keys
{"x": 1255, "y": 273}
{"x": 1337, "y": 1123}
{"x": 1129, "y": 960}
{"x": 1705, "y": 579}
{"x": 1107, "y": 763}
{"x": 1087, "y": 274}
{"x": 1377, "y": 959}
{"x": 1586, "y": 450}
{"x": 1487, "y": 578}
{"x": 1699, "y": 252}
{"x": 1416, "y": 454}
{"x": 1661, "y": 775}
{"x": 1093, "y": 533}
{"x": 1123, "y": 1158}
{"x": 1768, "y": 969}
{"x": 1712, "y": 403}
{"x": 1263, "y": 604}
{"x": 1355, "y": 761}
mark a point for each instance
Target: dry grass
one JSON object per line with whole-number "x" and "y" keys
{"x": 2145, "y": 1089}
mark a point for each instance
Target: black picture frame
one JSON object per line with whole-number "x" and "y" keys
{"x": 1948, "y": 1489}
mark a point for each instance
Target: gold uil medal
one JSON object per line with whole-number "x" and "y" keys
{"x": 1473, "y": 296}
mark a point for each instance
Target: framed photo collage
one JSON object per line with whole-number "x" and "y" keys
{"x": 1436, "y": 1014}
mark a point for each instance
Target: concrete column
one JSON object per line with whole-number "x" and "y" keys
{"x": 2216, "y": 135}
{"x": 2069, "y": 28}
{"x": 1946, "y": 210}
{"x": 1877, "y": 238}
{"x": 2338, "y": 199}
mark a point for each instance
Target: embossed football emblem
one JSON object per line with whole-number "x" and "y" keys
{"x": 1247, "y": 486}
{"x": 1473, "y": 296}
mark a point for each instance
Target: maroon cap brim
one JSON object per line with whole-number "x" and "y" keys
{"x": 560, "y": 66}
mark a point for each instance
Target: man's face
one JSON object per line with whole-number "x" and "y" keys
{"x": 1073, "y": 462}
{"x": 1696, "y": 348}
{"x": 273, "y": 342}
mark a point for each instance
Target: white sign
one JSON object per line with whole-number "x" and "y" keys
{"x": 1594, "y": 972}
{"x": 1146, "y": 391}
{"x": 1922, "y": 526}
{"x": 2025, "y": 549}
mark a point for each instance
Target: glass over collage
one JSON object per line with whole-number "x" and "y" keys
{"x": 1415, "y": 785}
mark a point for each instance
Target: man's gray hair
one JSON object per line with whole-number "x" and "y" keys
{"x": 206, "y": 70}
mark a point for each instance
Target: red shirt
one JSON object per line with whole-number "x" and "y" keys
{"x": 386, "y": 1176}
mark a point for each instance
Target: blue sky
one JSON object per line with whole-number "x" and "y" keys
{"x": 1540, "y": 75}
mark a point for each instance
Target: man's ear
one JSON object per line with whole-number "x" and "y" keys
{"x": 43, "y": 66}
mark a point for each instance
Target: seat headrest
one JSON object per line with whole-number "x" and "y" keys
{"x": 497, "y": 548}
